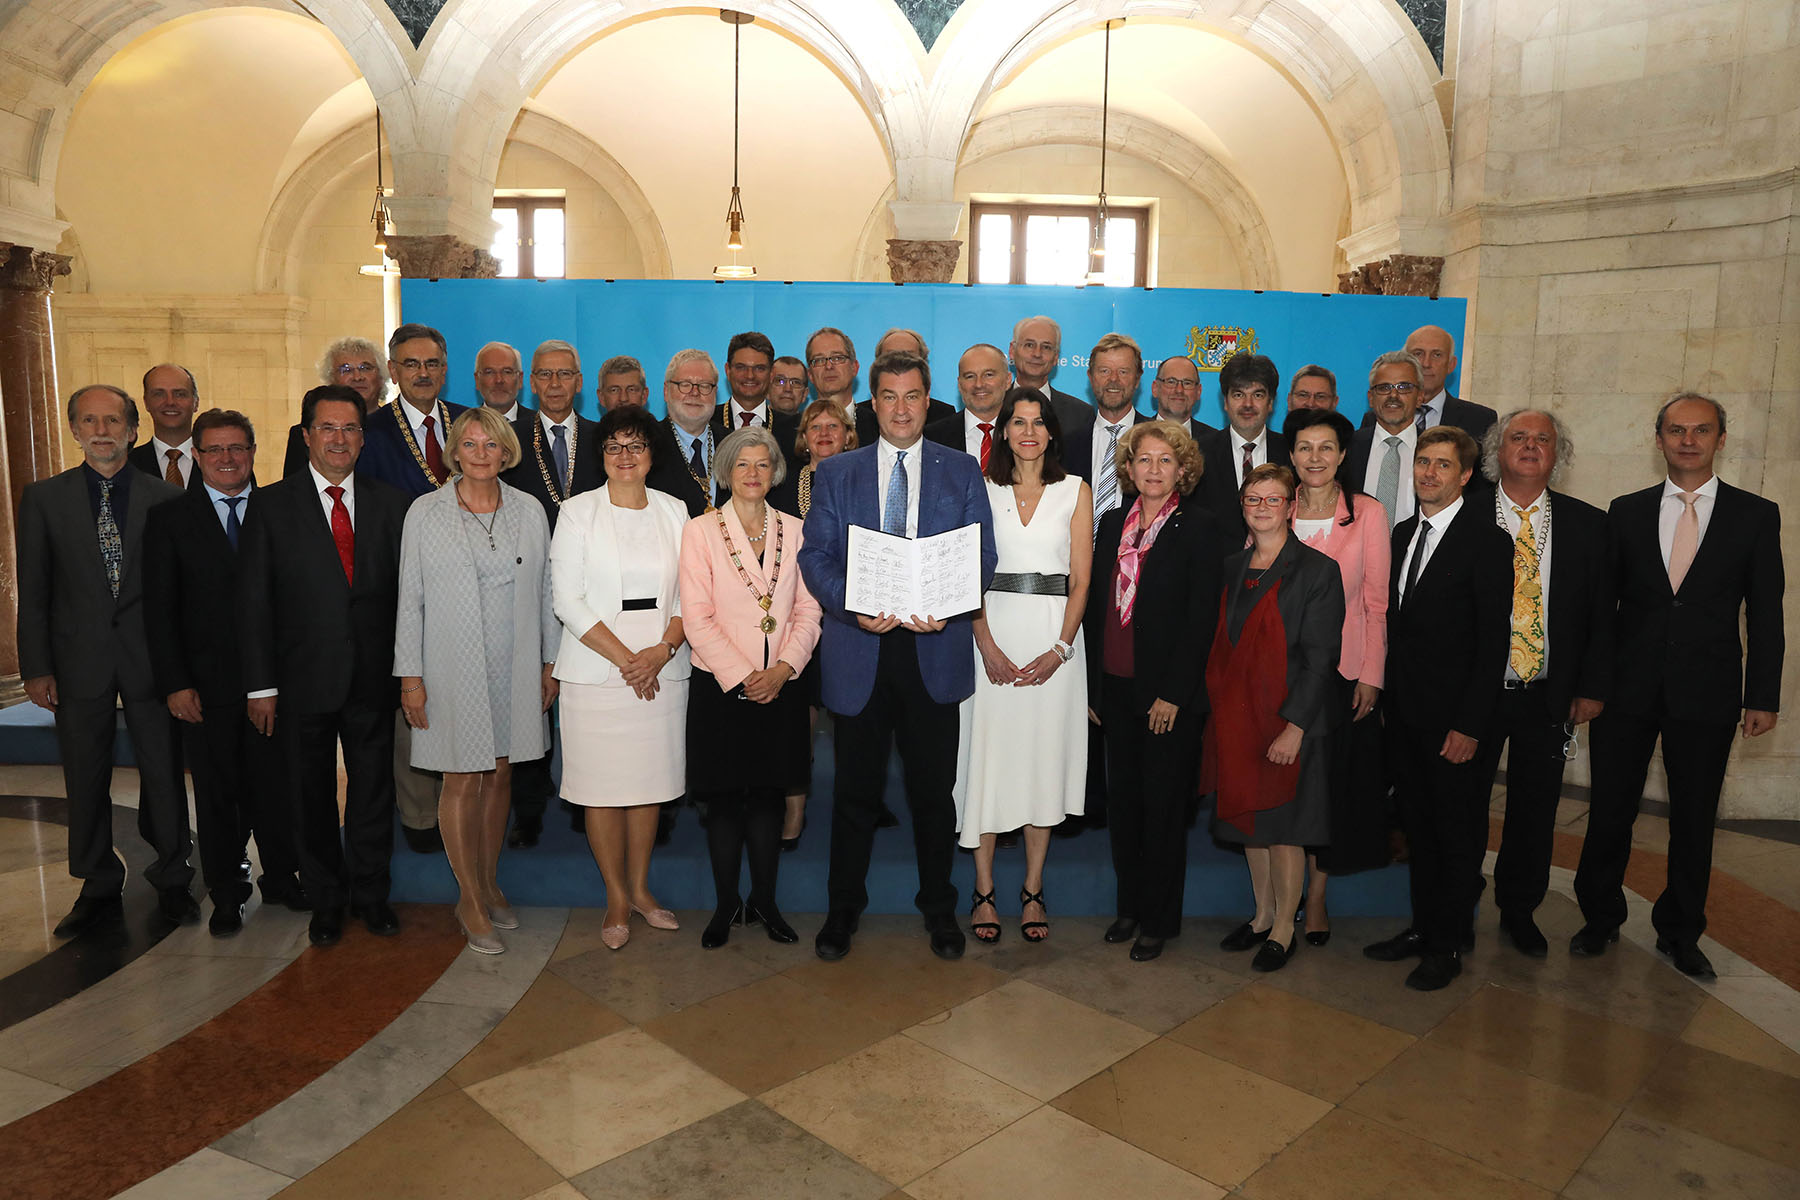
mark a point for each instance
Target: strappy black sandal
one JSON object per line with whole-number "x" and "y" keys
{"x": 1027, "y": 928}
{"x": 985, "y": 931}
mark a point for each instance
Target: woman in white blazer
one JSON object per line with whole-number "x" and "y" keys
{"x": 623, "y": 664}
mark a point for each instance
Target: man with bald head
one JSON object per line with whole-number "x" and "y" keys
{"x": 1436, "y": 351}
{"x": 171, "y": 397}
{"x": 981, "y": 381}
{"x": 1175, "y": 389}
{"x": 1036, "y": 350}
{"x": 499, "y": 376}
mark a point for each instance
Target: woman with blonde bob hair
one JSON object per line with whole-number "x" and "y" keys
{"x": 473, "y": 645}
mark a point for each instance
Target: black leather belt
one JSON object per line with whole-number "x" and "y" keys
{"x": 638, "y": 605}
{"x": 1031, "y": 584}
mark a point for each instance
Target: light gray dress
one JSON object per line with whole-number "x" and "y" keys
{"x": 476, "y": 624}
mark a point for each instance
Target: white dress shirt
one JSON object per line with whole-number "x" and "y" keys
{"x": 320, "y": 483}
{"x": 884, "y": 469}
{"x": 417, "y": 420}
{"x": 1510, "y": 521}
{"x": 972, "y": 432}
{"x": 1404, "y": 503}
{"x": 759, "y": 415}
{"x": 568, "y": 424}
{"x": 1259, "y": 453}
{"x": 1439, "y": 524}
{"x": 510, "y": 413}
{"x": 1100, "y": 461}
{"x": 221, "y": 509}
{"x": 184, "y": 464}
{"x": 1671, "y": 513}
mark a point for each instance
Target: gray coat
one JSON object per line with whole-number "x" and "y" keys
{"x": 439, "y": 635}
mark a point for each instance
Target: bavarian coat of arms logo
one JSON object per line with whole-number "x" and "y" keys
{"x": 1209, "y": 347}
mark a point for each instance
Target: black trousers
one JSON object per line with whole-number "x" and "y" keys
{"x": 1694, "y": 755}
{"x": 900, "y": 711}
{"x": 748, "y": 819}
{"x": 1150, "y": 780}
{"x": 84, "y": 737}
{"x": 356, "y": 869}
{"x": 532, "y": 786}
{"x": 239, "y": 789}
{"x": 1534, "y": 773}
{"x": 1443, "y": 806}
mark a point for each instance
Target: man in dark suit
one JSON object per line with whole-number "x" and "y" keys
{"x": 84, "y": 649}
{"x": 499, "y": 378}
{"x": 1036, "y": 352}
{"x": 982, "y": 380}
{"x": 559, "y": 457}
{"x": 1313, "y": 386}
{"x": 681, "y": 459}
{"x": 911, "y": 342}
{"x": 320, "y": 563}
{"x": 1690, "y": 554}
{"x": 191, "y": 582}
{"x": 170, "y": 397}
{"x": 1559, "y": 669}
{"x": 1379, "y": 462}
{"x": 352, "y": 362}
{"x": 1175, "y": 393}
{"x": 1436, "y": 351}
{"x": 1115, "y": 369}
{"x": 1247, "y": 387}
{"x": 749, "y": 362}
{"x": 893, "y": 676}
{"x": 403, "y": 447}
{"x": 1449, "y": 624}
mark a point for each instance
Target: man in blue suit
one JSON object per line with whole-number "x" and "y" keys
{"x": 893, "y": 677}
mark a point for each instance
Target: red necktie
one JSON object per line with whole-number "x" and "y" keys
{"x": 987, "y": 440}
{"x": 1249, "y": 461}
{"x": 745, "y": 417}
{"x": 341, "y": 533}
{"x": 434, "y": 457}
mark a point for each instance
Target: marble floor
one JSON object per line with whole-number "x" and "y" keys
{"x": 183, "y": 1066}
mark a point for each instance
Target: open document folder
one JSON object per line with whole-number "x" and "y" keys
{"x": 937, "y": 576}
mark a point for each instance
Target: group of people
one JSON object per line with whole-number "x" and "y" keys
{"x": 1315, "y": 634}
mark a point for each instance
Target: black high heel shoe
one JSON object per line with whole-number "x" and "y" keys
{"x": 718, "y": 930}
{"x": 773, "y": 923}
{"x": 987, "y": 932}
{"x": 1027, "y": 928}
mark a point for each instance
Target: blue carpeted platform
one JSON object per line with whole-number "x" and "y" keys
{"x": 28, "y": 735}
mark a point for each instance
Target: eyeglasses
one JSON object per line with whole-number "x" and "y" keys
{"x": 1259, "y": 501}
{"x": 688, "y": 387}
{"x": 1397, "y": 389}
{"x": 335, "y": 429}
{"x": 235, "y": 449}
{"x": 1185, "y": 385}
{"x": 429, "y": 364}
{"x": 1570, "y": 748}
{"x": 614, "y": 449}
{"x": 361, "y": 368}
{"x": 790, "y": 381}
{"x": 502, "y": 372}
{"x": 561, "y": 374}
{"x": 820, "y": 360}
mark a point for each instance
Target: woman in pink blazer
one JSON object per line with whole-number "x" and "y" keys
{"x": 1353, "y": 530}
{"x": 752, "y": 627}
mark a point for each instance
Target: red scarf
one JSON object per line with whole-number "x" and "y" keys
{"x": 1132, "y": 550}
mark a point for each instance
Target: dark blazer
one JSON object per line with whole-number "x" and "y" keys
{"x": 144, "y": 459}
{"x": 294, "y": 458}
{"x": 1579, "y": 625}
{"x": 669, "y": 472}
{"x": 1078, "y": 445}
{"x": 1219, "y": 486}
{"x": 386, "y": 455}
{"x": 1447, "y": 645}
{"x": 867, "y": 430}
{"x": 1176, "y": 611}
{"x": 845, "y": 493}
{"x": 191, "y": 583}
{"x": 1362, "y": 444}
{"x": 305, "y": 630}
{"x": 948, "y": 432}
{"x": 1311, "y": 603}
{"x": 70, "y": 624}
{"x": 536, "y": 473}
{"x": 1680, "y": 653}
{"x": 1474, "y": 419}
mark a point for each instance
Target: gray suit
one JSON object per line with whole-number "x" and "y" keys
{"x": 96, "y": 647}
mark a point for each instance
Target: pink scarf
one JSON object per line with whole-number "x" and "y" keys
{"x": 1132, "y": 550}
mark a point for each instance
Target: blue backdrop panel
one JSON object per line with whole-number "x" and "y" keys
{"x": 651, "y": 319}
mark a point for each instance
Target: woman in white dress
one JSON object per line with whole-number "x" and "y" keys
{"x": 614, "y": 572}
{"x": 1022, "y": 758}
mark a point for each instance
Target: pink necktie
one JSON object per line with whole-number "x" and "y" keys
{"x": 1686, "y": 541}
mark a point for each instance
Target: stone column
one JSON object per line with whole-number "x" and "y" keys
{"x": 923, "y": 261}
{"x": 441, "y": 256}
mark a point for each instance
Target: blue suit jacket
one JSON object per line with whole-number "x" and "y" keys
{"x": 844, "y": 493}
{"x": 387, "y": 457}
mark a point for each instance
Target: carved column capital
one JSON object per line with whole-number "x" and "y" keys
{"x": 31, "y": 270}
{"x": 1395, "y": 275}
{"x": 923, "y": 261}
{"x": 441, "y": 256}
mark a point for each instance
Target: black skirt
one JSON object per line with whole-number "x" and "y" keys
{"x": 1359, "y": 807}
{"x": 734, "y": 743}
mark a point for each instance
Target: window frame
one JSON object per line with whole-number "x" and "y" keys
{"x": 1019, "y": 211}
{"x": 527, "y": 208}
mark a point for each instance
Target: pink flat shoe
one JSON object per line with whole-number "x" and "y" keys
{"x": 615, "y": 936}
{"x": 657, "y": 918}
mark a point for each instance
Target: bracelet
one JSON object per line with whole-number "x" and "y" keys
{"x": 1063, "y": 650}
{"x": 672, "y": 648}
{"x": 416, "y": 688}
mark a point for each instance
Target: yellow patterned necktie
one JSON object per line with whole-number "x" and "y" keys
{"x": 1527, "y": 653}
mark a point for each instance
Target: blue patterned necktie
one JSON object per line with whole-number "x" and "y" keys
{"x": 232, "y": 526}
{"x": 893, "y": 513}
{"x": 112, "y": 546}
{"x": 1106, "y": 484}
{"x": 559, "y": 450}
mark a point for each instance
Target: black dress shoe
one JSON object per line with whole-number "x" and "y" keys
{"x": 227, "y": 918}
{"x": 178, "y": 905}
{"x": 947, "y": 940}
{"x": 773, "y": 923}
{"x": 1590, "y": 941}
{"x": 1434, "y": 971}
{"x": 378, "y": 917}
{"x": 885, "y": 819}
{"x": 718, "y": 930}
{"x": 1408, "y": 943}
{"x": 833, "y": 940}
{"x": 89, "y": 912}
{"x": 423, "y": 841}
{"x": 525, "y": 833}
{"x": 1318, "y": 937}
{"x": 1121, "y": 930}
{"x": 1146, "y": 948}
{"x": 286, "y": 892}
{"x": 1689, "y": 959}
{"x": 1243, "y": 938}
{"x": 1270, "y": 956}
{"x": 1526, "y": 936}
{"x": 326, "y": 927}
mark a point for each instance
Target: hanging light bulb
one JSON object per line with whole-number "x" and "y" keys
{"x": 734, "y": 211}
{"x": 1096, "y": 274}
